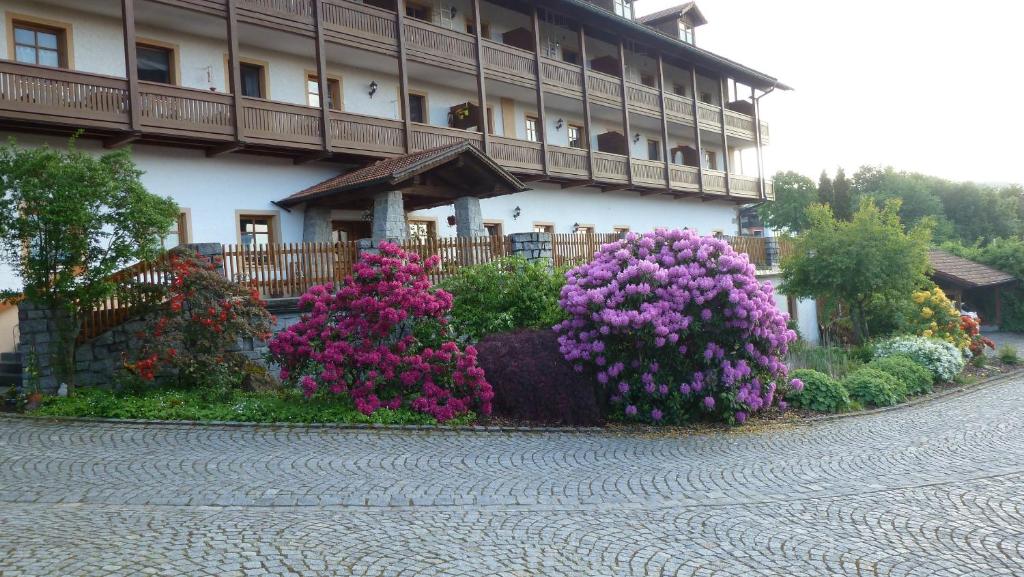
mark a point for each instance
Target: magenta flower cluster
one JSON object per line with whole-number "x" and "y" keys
{"x": 676, "y": 326}
{"x": 360, "y": 339}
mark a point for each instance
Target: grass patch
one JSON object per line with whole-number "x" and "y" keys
{"x": 226, "y": 405}
{"x": 836, "y": 362}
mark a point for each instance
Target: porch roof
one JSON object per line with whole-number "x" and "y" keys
{"x": 966, "y": 273}
{"x": 675, "y": 12}
{"x": 427, "y": 179}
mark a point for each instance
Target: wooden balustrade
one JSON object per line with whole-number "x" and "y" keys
{"x": 279, "y": 123}
{"x": 458, "y": 252}
{"x": 611, "y": 167}
{"x": 740, "y": 125}
{"x": 562, "y": 78}
{"x": 604, "y": 88}
{"x": 684, "y": 177}
{"x": 651, "y": 172}
{"x": 517, "y": 154}
{"x": 755, "y": 247}
{"x": 136, "y": 287}
{"x": 714, "y": 180}
{"x": 288, "y": 269}
{"x": 440, "y": 47}
{"x": 360, "y": 25}
{"x": 746, "y": 186}
{"x": 564, "y": 161}
{"x": 425, "y": 137}
{"x": 185, "y": 111}
{"x": 679, "y": 108}
{"x": 709, "y": 115}
{"x": 290, "y": 8}
{"x": 510, "y": 64}
{"x": 572, "y": 249}
{"x": 644, "y": 98}
{"x": 359, "y": 133}
{"x": 53, "y": 95}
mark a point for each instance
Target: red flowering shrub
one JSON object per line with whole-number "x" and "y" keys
{"x": 382, "y": 338}
{"x": 202, "y": 321}
{"x": 972, "y": 328}
{"x": 532, "y": 381}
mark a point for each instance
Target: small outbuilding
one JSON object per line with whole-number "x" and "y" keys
{"x": 976, "y": 286}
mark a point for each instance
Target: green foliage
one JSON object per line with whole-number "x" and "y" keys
{"x": 834, "y": 361}
{"x": 859, "y": 264}
{"x": 875, "y": 388}
{"x": 503, "y": 296}
{"x": 917, "y": 199}
{"x": 916, "y": 378}
{"x": 82, "y": 218}
{"x": 1008, "y": 354}
{"x": 794, "y": 194}
{"x": 821, "y": 392}
{"x": 225, "y": 404}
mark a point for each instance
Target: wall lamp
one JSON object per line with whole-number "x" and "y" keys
{"x": 636, "y": 138}
{"x": 516, "y": 213}
{"x": 559, "y": 124}
{"x": 373, "y": 88}
{"x": 575, "y": 227}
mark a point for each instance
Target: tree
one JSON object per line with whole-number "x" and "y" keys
{"x": 916, "y": 192}
{"x": 68, "y": 221}
{"x": 794, "y": 194}
{"x": 826, "y": 192}
{"x": 870, "y": 259}
{"x": 842, "y": 196}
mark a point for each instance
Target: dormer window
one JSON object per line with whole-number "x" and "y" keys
{"x": 685, "y": 32}
{"x": 624, "y": 8}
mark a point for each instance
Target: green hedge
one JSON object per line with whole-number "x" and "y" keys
{"x": 916, "y": 378}
{"x": 821, "y": 392}
{"x": 876, "y": 388}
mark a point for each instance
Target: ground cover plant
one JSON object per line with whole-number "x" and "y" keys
{"x": 943, "y": 359}
{"x": 382, "y": 339}
{"x": 675, "y": 326}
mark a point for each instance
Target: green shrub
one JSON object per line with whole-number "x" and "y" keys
{"x": 821, "y": 392}
{"x": 943, "y": 359}
{"x": 876, "y": 388}
{"x": 1008, "y": 354}
{"x": 503, "y": 296}
{"x": 915, "y": 378}
{"x": 835, "y": 361}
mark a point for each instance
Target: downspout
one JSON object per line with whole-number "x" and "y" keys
{"x": 759, "y": 138}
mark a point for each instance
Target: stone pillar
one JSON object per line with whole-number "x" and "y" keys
{"x": 771, "y": 249}
{"x": 38, "y": 330}
{"x": 533, "y": 246}
{"x": 469, "y": 219}
{"x": 316, "y": 224}
{"x": 389, "y": 216}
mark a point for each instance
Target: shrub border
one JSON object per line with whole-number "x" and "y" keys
{"x": 809, "y": 421}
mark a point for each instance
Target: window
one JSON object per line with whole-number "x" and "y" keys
{"x": 422, "y": 230}
{"x": 647, "y": 80}
{"x": 710, "y": 160}
{"x": 532, "y": 131}
{"x": 544, "y": 227}
{"x": 334, "y": 101}
{"x": 418, "y": 108}
{"x": 685, "y": 32}
{"x": 254, "y": 81}
{"x": 570, "y": 56}
{"x": 576, "y": 137}
{"x": 706, "y": 98}
{"x": 583, "y": 229}
{"x": 179, "y": 233}
{"x": 42, "y": 45}
{"x": 490, "y": 120}
{"x": 494, "y": 228}
{"x": 620, "y": 229}
{"x": 485, "y": 30}
{"x": 256, "y": 229}
{"x": 418, "y": 11}
{"x": 155, "y": 63}
{"x": 653, "y": 150}
{"x": 679, "y": 89}
{"x": 624, "y": 8}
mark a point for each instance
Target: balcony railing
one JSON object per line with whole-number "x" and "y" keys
{"x": 75, "y": 99}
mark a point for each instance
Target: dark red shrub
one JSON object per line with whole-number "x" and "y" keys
{"x": 532, "y": 382}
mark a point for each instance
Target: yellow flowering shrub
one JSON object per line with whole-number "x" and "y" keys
{"x": 937, "y": 317}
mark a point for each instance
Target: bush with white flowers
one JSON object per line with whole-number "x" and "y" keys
{"x": 943, "y": 359}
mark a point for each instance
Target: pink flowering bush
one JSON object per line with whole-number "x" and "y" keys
{"x": 676, "y": 326}
{"x": 382, "y": 338}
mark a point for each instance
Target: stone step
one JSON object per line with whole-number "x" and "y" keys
{"x": 10, "y": 368}
{"x": 10, "y": 358}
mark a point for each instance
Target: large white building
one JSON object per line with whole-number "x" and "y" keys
{"x": 609, "y": 122}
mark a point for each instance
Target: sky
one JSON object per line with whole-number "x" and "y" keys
{"x": 927, "y": 86}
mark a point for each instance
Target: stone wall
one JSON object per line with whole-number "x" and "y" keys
{"x": 533, "y": 246}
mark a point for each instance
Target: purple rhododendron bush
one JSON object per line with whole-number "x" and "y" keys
{"x": 382, "y": 338}
{"x": 676, "y": 327}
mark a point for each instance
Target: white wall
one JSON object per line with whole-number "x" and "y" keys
{"x": 806, "y": 312}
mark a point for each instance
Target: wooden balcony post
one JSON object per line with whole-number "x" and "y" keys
{"x": 481, "y": 78}
{"x": 587, "y": 121}
{"x": 235, "y": 76}
{"x": 758, "y": 143}
{"x": 625, "y": 112}
{"x": 696, "y": 128}
{"x": 321, "y": 75}
{"x": 403, "y": 75}
{"x": 131, "y": 64}
{"x": 664, "y": 122}
{"x": 541, "y": 115}
{"x": 723, "y": 91}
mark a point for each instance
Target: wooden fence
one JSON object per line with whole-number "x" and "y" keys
{"x": 289, "y": 269}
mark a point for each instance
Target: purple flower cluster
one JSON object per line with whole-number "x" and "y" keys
{"x": 675, "y": 326}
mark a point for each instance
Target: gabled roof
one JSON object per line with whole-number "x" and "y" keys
{"x": 967, "y": 273}
{"x": 394, "y": 171}
{"x": 676, "y": 12}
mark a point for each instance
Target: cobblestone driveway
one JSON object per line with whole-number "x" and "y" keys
{"x": 934, "y": 490}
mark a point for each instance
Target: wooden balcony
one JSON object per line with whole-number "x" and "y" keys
{"x": 34, "y": 96}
